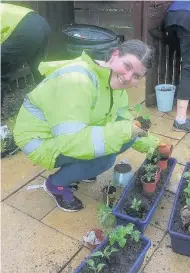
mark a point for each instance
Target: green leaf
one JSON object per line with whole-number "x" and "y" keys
{"x": 122, "y": 242}
{"x": 187, "y": 190}
{"x": 186, "y": 174}
{"x": 135, "y": 235}
{"x": 90, "y": 262}
{"x": 146, "y": 117}
{"x": 129, "y": 228}
{"x": 138, "y": 108}
{"x": 106, "y": 218}
{"x": 113, "y": 250}
{"x": 97, "y": 254}
{"x": 100, "y": 267}
{"x": 188, "y": 202}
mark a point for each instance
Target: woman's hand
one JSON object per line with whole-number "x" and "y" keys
{"x": 138, "y": 132}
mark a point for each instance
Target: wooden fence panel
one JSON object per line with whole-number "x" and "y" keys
{"x": 113, "y": 15}
{"x": 108, "y": 5}
{"x": 166, "y": 68}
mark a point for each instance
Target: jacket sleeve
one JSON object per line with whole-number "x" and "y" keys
{"x": 68, "y": 115}
{"x": 146, "y": 144}
{"x": 125, "y": 113}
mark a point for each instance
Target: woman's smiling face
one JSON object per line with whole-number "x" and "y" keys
{"x": 127, "y": 70}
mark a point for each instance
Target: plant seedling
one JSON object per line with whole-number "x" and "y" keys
{"x": 106, "y": 253}
{"x": 136, "y": 204}
{"x": 153, "y": 155}
{"x": 146, "y": 117}
{"x": 119, "y": 235}
{"x": 106, "y": 218}
{"x": 150, "y": 171}
{"x": 186, "y": 175}
{"x": 93, "y": 267}
{"x": 138, "y": 109}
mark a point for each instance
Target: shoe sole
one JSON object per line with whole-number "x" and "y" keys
{"x": 48, "y": 192}
{"x": 87, "y": 181}
{"x": 179, "y": 130}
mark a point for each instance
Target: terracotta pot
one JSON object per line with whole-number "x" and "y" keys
{"x": 149, "y": 187}
{"x": 163, "y": 164}
{"x": 165, "y": 150}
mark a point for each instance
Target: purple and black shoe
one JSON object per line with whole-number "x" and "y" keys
{"x": 63, "y": 196}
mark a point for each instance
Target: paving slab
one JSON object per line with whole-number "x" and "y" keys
{"x": 165, "y": 260}
{"x": 161, "y": 216}
{"x": 182, "y": 150}
{"x": 36, "y": 203}
{"x": 155, "y": 235}
{"x": 152, "y": 110}
{"x": 93, "y": 189}
{"x": 76, "y": 260}
{"x": 136, "y": 95}
{"x": 167, "y": 140}
{"x": 149, "y": 110}
{"x": 175, "y": 178}
{"x": 16, "y": 171}
{"x": 134, "y": 158}
{"x": 172, "y": 114}
{"x": 74, "y": 224}
{"x": 163, "y": 126}
{"x": 30, "y": 246}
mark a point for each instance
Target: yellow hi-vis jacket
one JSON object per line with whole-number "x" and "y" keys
{"x": 11, "y": 15}
{"x": 73, "y": 112}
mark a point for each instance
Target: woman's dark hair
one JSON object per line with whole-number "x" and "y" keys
{"x": 137, "y": 48}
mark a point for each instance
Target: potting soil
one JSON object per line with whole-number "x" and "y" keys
{"x": 145, "y": 123}
{"x": 177, "y": 225}
{"x": 121, "y": 261}
{"x": 147, "y": 200}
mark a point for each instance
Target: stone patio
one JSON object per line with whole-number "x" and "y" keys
{"x": 38, "y": 237}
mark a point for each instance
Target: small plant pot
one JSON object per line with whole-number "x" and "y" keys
{"x": 122, "y": 174}
{"x": 163, "y": 164}
{"x": 165, "y": 150}
{"x": 149, "y": 187}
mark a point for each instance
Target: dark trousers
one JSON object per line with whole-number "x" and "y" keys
{"x": 178, "y": 34}
{"x": 73, "y": 170}
{"x": 26, "y": 44}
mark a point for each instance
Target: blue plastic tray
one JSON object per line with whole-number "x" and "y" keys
{"x": 123, "y": 219}
{"x": 180, "y": 242}
{"x": 136, "y": 266}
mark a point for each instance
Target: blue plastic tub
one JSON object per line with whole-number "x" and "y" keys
{"x": 138, "y": 263}
{"x": 165, "y": 98}
{"x": 180, "y": 242}
{"x": 124, "y": 219}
